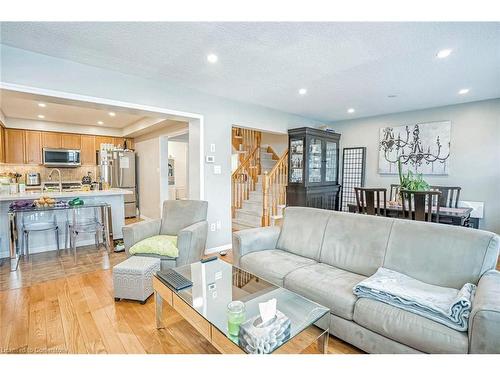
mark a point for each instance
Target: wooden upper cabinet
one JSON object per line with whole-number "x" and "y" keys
{"x": 2, "y": 144}
{"x": 102, "y": 139}
{"x": 71, "y": 141}
{"x": 32, "y": 147}
{"x": 130, "y": 143}
{"x": 14, "y": 146}
{"x": 88, "y": 149}
{"x": 51, "y": 140}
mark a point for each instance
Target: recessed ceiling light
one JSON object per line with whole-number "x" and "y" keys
{"x": 100, "y": 123}
{"x": 212, "y": 58}
{"x": 444, "y": 53}
{"x": 41, "y": 116}
{"x": 302, "y": 91}
{"x": 463, "y": 91}
{"x": 351, "y": 110}
{"x": 42, "y": 105}
{"x": 112, "y": 114}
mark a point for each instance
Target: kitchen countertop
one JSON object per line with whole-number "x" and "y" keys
{"x": 64, "y": 194}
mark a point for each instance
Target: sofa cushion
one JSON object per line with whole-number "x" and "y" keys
{"x": 326, "y": 285}
{"x": 438, "y": 254}
{"x": 409, "y": 329}
{"x": 355, "y": 243}
{"x": 303, "y": 230}
{"x": 273, "y": 265}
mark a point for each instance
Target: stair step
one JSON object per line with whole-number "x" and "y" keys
{"x": 241, "y": 226}
{"x": 255, "y": 206}
{"x": 248, "y": 217}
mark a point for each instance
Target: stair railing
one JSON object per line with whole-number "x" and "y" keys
{"x": 244, "y": 178}
{"x": 274, "y": 189}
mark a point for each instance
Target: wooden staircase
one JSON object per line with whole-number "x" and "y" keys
{"x": 258, "y": 185}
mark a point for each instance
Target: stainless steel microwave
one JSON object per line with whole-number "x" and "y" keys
{"x": 59, "y": 157}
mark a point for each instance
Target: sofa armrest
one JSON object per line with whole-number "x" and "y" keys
{"x": 136, "y": 232}
{"x": 191, "y": 243}
{"x": 484, "y": 321}
{"x": 255, "y": 239}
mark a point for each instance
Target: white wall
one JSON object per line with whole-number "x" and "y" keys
{"x": 36, "y": 70}
{"x": 279, "y": 142}
{"x": 147, "y": 148}
{"x": 475, "y": 150}
{"x": 178, "y": 151}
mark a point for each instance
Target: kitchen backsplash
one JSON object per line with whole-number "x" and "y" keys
{"x": 67, "y": 174}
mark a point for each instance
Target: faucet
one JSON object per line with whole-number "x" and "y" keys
{"x": 60, "y": 180}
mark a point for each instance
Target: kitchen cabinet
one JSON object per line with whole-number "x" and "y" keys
{"x": 51, "y": 140}
{"x": 102, "y": 139}
{"x": 130, "y": 143}
{"x": 32, "y": 147}
{"x": 71, "y": 141}
{"x": 14, "y": 146}
{"x": 2, "y": 144}
{"x": 88, "y": 149}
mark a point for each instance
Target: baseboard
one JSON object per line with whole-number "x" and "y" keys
{"x": 218, "y": 249}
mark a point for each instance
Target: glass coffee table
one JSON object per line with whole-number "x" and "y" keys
{"x": 217, "y": 283}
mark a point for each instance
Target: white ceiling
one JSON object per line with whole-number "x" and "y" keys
{"x": 342, "y": 65}
{"x": 16, "y": 105}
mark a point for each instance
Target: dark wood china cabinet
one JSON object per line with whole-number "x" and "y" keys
{"x": 313, "y": 162}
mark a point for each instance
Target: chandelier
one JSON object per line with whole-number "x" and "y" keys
{"x": 410, "y": 151}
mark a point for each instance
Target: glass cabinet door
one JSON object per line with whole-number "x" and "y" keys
{"x": 314, "y": 162}
{"x": 331, "y": 161}
{"x": 296, "y": 161}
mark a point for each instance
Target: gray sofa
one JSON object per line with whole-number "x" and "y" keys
{"x": 186, "y": 219}
{"x": 323, "y": 254}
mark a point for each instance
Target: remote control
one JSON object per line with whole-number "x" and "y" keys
{"x": 208, "y": 259}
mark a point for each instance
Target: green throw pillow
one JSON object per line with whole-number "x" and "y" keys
{"x": 159, "y": 245}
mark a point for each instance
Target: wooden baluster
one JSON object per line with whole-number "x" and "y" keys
{"x": 265, "y": 199}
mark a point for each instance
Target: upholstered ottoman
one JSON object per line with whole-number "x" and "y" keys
{"x": 133, "y": 278}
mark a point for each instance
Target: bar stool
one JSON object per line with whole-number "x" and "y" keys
{"x": 78, "y": 223}
{"x": 38, "y": 222}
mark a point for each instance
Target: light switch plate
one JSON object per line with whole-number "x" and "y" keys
{"x": 212, "y": 147}
{"x": 217, "y": 169}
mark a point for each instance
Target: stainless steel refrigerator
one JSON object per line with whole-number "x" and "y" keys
{"x": 118, "y": 169}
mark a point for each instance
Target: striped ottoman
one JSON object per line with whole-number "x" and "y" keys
{"x": 133, "y": 278}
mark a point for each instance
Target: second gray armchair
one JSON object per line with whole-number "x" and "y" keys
{"x": 186, "y": 219}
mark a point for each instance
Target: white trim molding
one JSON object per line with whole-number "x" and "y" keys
{"x": 218, "y": 249}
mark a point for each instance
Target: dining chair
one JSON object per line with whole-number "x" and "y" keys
{"x": 371, "y": 201}
{"x": 418, "y": 205}
{"x": 449, "y": 195}
{"x": 394, "y": 192}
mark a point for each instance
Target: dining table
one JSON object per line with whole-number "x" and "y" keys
{"x": 459, "y": 216}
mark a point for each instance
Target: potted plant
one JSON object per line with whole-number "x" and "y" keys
{"x": 411, "y": 181}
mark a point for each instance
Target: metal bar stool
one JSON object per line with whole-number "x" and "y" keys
{"x": 38, "y": 222}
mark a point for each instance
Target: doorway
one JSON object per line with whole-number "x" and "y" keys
{"x": 259, "y": 165}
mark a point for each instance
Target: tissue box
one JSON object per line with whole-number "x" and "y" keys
{"x": 258, "y": 338}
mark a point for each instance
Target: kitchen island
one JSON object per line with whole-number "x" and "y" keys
{"x": 45, "y": 241}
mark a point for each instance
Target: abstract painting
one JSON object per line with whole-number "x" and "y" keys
{"x": 422, "y": 148}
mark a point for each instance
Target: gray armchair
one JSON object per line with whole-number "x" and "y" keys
{"x": 186, "y": 219}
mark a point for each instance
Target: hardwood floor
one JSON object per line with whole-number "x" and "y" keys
{"x": 50, "y": 265}
{"x": 73, "y": 310}
{"x": 78, "y": 314}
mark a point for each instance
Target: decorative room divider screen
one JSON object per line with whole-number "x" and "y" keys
{"x": 353, "y": 174}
